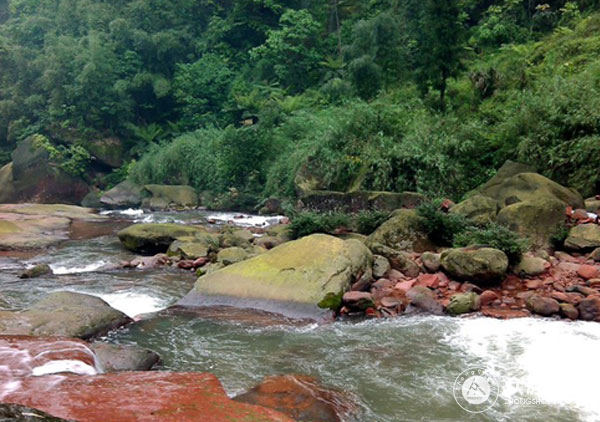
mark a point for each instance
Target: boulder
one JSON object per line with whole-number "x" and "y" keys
{"x": 156, "y": 238}
{"x": 401, "y": 232}
{"x": 508, "y": 170}
{"x": 36, "y": 271}
{"x": 381, "y": 266}
{"x": 400, "y": 261}
{"x": 167, "y": 197}
{"x": 532, "y": 266}
{"x": 65, "y": 314}
{"x": 18, "y": 413}
{"x": 431, "y": 261}
{"x": 536, "y": 219}
{"x": 229, "y": 256}
{"x": 35, "y": 178}
{"x": 423, "y": 298}
{"x": 481, "y": 266}
{"x": 352, "y": 202}
{"x": 124, "y": 195}
{"x": 588, "y": 272}
{"x": 589, "y": 309}
{"x": 583, "y": 237}
{"x": 541, "y": 305}
{"x": 291, "y": 279}
{"x": 107, "y": 151}
{"x": 116, "y": 358}
{"x": 463, "y": 303}
{"x": 302, "y": 398}
{"x": 92, "y": 199}
{"x": 188, "y": 250}
{"x": 151, "y": 396}
{"x": 478, "y": 208}
{"x": 569, "y": 310}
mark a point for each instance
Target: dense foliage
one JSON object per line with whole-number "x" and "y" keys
{"x": 241, "y": 98}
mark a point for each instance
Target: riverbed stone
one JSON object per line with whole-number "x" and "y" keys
{"x": 151, "y": 396}
{"x": 170, "y": 196}
{"x": 240, "y": 237}
{"x": 117, "y": 358}
{"x": 402, "y": 232}
{"x": 589, "y": 309}
{"x": 188, "y": 250}
{"x": 381, "y": 266}
{"x": 431, "y": 261}
{"x": 531, "y": 266}
{"x": 302, "y": 398}
{"x": 65, "y": 314}
{"x": 423, "y": 298}
{"x": 583, "y": 237}
{"x": 481, "y": 266}
{"x": 124, "y": 195}
{"x": 541, "y": 305}
{"x": 463, "y": 303}
{"x": 399, "y": 260}
{"x": 291, "y": 279}
{"x": 478, "y": 208}
{"x": 37, "y": 271}
{"x": 156, "y": 238}
{"x": 569, "y": 310}
{"x": 229, "y": 256}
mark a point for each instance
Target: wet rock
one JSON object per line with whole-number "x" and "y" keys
{"x": 586, "y": 291}
{"x": 231, "y": 256}
{"x": 478, "y": 208}
{"x": 398, "y": 260}
{"x": 291, "y": 279}
{"x": 115, "y": 358}
{"x": 301, "y": 398}
{"x": 358, "y": 300}
{"x": 569, "y": 311}
{"x": 583, "y": 236}
{"x": 504, "y": 313}
{"x": 401, "y": 232}
{"x": 532, "y": 266}
{"x": 589, "y": 309}
{"x": 423, "y": 298}
{"x": 488, "y": 297}
{"x": 124, "y": 195}
{"x": 542, "y": 305}
{"x": 18, "y": 413}
{"x": 170, "y": 197}
{"x": 381, "y": 266}
{"x": 534, "y": 284}
{"x": 37, "y": 271}
{"x": 156, "y": 238}
{"x": 463, "y": 303}
{"x": 148, "y": 262}
{"x": 65, "y": 314}
{"x": 478, "y": 265}
{"x": 188, "y": 250}
{"x": 588, "y": 272}
{"x": 431, "y": 261}
{"x": 138, "y": 396}
{"x": 560, "y": 297}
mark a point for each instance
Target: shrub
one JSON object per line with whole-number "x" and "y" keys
{"x": 557, "y": 240}
{"x": 494, "y": 236}
{"x": 441, "y": 227}
{"x": 368, "y": 221}
{"x": 306, "y": 223}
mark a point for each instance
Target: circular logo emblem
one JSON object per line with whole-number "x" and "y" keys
{"x": 475, "y": 390}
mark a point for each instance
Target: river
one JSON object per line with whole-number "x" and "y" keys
{"x": 401, "y": 369}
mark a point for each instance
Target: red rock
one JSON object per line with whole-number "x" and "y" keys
{"x": 391, "y": 302}
{"x": 428, "y": 280}
{"x": 395, "y": 275}
{"x": 405, "y": 286}
{"x": 533, "y": 284}
{"x": 542, "y": 305}
{"x": 200, "y": 262}
{"x": 454, "y": 285}
{"x": 588, "y": 272}
{"x": 302, "y": 398}
{"x": 503, "y": 313}
{"x": 563, "y": 256}
{"x": 487, "y": 297}
{"x": 140, "y": 397}
{"x": 560, "y": 296}
{"x": 371, "y": 312}
{"x": 469, "y": 287}
{"x": 186, "y": 264}
{"x": 382, "y": 283}
{"x": 360, "y": 300}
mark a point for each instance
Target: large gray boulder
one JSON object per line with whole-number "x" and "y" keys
{"x": 170, "y": 196}
{"x": 480, "y": 266}
{"x": 124, "y": 195}
{"x": 63, "y": 314}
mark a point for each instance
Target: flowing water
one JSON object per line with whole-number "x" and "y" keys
{"x": 401, "y": 369}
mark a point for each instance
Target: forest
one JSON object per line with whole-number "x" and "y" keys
{"x": 249, "y": 96}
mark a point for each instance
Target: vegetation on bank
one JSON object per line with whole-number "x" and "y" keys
{"x": 243, "y": 96}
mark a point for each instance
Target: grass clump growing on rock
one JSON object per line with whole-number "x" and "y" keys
{"x": 494, "y": 236}
{"x": 441, "y": 227}
{"x": 367, "y": 222}
{"x": 307, "y": 223}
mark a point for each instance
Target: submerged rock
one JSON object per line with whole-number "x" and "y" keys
{"x": 37, "y": 271}
{"x": 481, "y": 266}
{"x": 65, "y": 314}
{"x": 156, "y": 238}
{"x": 138, "y": 396}
{"x": 291, "y": 279}
{"x": 302, "y": 398}
{"x": 116, "y": 358}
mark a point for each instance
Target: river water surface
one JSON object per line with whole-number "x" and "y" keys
{"x": 401, "y": 369}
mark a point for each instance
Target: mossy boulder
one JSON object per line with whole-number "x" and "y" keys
{"x": 463, "y": 303}
{"x": 291, "y": 279}
{"x": 39, "y": 270}
{"x": 399, "y": 260}
{"x": 170, "y": 196}
{"x": 481, "y": 266}
{"x": 280, "y": 231}
{"x": 532, "y": 266}
{"x": 124, "y": 195}
{"x": 64, "y": 314}
{"x": 583, "y": 237}
{"x": 508, "y": 170}
{"x": 156, "y": 238}
{"x": 107, "y": 151}
{"x": 402, "y": 232}
{"x": 478, "y": 208}
{"x": 536, "y": 219}
{"x": 351, "y": 202}
{"x": 188, "y": 250}
{"x": 229, "y": 256}
{"x": 241, "y": 237}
